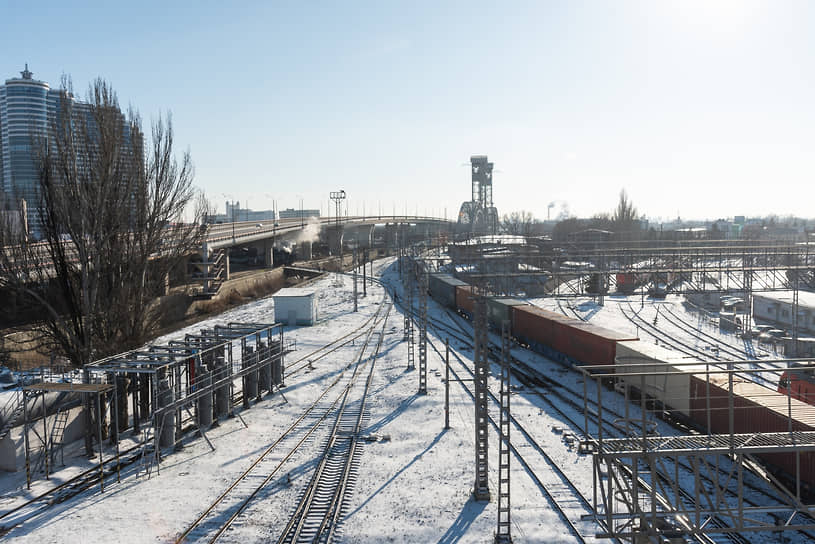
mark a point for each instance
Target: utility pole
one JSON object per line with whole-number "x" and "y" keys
{"x": 422, "y": 329}
{"x": 364, "y": 278}
{"x": 502, "y": 535}
{"x": 481, "y": 489}
{"x": 338, "y": 197}
{"x": 408, "y": 290}
{"x": 354, "y": 266}
{"x": 446, "y": 383}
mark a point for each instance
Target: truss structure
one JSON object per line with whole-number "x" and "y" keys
{"x": 650, "y": 487}
{"x": 188, "y": 374}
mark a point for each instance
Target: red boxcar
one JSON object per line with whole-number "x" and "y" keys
{"x": 464, "y": 299}
{"x": 626, "y": 282}
{"x": 579, "y": 340}
{"x": 533, "y": 324}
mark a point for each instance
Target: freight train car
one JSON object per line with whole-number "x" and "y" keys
{"x": 627, "y": 282}
{"x": 464, "y": 300}
{"x": 565, "y": 339}
{"x": 442, "y": 288}
{"x": 499, "y": 310}
{"x": 799, "y": 383}
{"x": 668, "y": 392}
{"x": 562, "y": 338}
{"x": 755, "y": 410}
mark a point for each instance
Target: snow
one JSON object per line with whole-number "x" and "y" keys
{"x": 414, "y": 478}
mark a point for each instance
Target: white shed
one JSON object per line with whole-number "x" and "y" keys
{"x": 295, "y": 306}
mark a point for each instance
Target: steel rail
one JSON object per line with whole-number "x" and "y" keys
{"x": 297, "y": 523}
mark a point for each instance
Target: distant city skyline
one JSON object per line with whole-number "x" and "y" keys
{"x": 697, "y": 109}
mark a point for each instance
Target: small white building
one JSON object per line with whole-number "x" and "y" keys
{"x": 295, "y": 306}
{"x": 776, "y": 308}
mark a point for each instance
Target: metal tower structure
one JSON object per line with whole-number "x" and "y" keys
{"x": 422, "y": 328}
{"x": 503, "y": 535}
{"x": 479, "y": 215}
{"x": 481, "y": 489}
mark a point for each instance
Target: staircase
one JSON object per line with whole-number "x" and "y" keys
{"x": 10, "y": 412}
{"x": 214, "y": 274}
{"x": 57, "y": 437}
{"x": 148, "y": 454}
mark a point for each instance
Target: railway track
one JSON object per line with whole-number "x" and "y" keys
{"x": 68, "y": 489}
{"x": 307, "y": 360}
{"x": 226, "y": 511}
{"x": 553, "y": 485}
{"x": 317, "y": 516}
{"x": 535, "y": 380}
{"x": 691, "y": 351}
{"x": 557, "y": 478}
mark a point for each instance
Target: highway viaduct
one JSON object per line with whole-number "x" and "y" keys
{"x": 359, "y": 231}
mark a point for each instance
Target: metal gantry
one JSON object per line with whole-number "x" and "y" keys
{"x": 503, "y": 534}
{"x": 192, "y": 375}
{"x": 652, "y": 487}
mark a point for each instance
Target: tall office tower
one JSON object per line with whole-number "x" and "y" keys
{"x": 24, "y": 108}
{"x": 29, "y": 111}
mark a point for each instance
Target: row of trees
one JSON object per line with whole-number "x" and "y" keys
{"x": 112, "y": 209}
{"x": 624, "y": 222}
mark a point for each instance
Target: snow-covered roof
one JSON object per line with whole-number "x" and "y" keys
{"x": 295, "y": 292}
{"x": 805, "y": 298}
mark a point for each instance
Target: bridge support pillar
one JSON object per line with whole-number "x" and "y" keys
{"x": 371, "y": 236}
{"x": 392, "y": 235}
{"x": 335, "y": 236}
{"x": 268, "y": 256}
{"x": 205, "y": 259}
{"x": 226, "y": 265}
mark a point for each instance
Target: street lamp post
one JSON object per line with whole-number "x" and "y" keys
{"x": 338, "y": 197}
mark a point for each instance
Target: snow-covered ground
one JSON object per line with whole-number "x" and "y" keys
{"x": 414, "y": 481}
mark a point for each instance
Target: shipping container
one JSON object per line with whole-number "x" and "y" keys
{"x": 442, "y": 289}
{"x": 587, "y": 343}
{"x": 756, "y": 409}
{"x": 566, "y": 339}
{"x": 671, "y": 390}
{"x": 464, "y": 299}
{"x": 535, "y": 327}
{"x": 500, "y": 310}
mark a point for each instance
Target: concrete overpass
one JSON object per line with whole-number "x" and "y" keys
{"x": 263, "y": 235}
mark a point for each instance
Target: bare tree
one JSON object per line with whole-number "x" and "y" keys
{"x": 111, "y": 211}
{"x": 517, "y": 223}
{"x": 625, "y": 216}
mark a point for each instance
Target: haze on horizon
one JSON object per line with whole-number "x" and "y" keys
{"x": 700, "y": 109}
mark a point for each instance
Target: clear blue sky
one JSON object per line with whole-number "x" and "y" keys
{"x": 702, "y": 109}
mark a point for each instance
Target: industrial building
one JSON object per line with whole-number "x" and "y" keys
{"x": 291, "y": 213}
{"x": 234, "y": 212}
{"x": 776, "y": 308}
